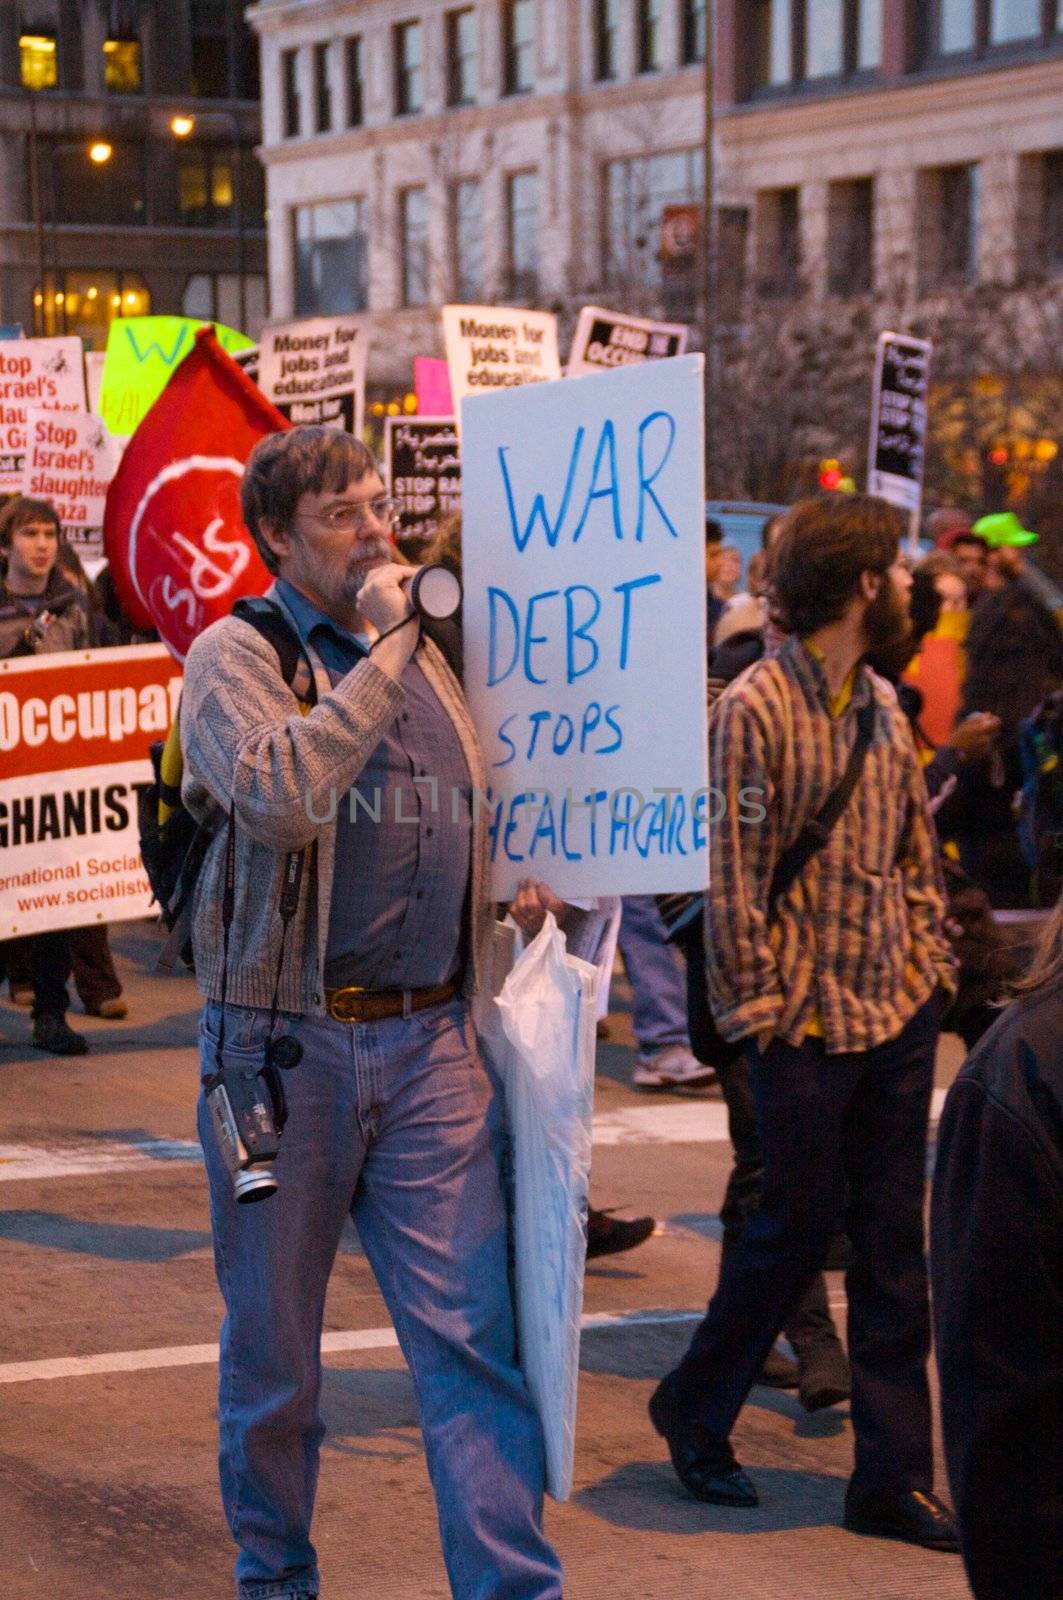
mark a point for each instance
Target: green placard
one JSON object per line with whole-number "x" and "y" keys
{"x": 142, "y": 355}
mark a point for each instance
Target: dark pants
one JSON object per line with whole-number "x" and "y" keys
{"x": 50, "y": 963}
{"x": 89, "y": 959}
{"x": 843, "y": 1132}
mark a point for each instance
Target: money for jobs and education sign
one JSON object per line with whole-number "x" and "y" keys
{"x": 422, "y": 470}
{"x": 34, "y": 374}
{"x": 584, "y": 621}
{"x": 898, "y": 420}
{"x": 314, "y": 370}
{"x": 75, "y": 730}
{"x": 607, "y": 339}
{"x": 142, "y": 355}
{"x": 496, "y": 347}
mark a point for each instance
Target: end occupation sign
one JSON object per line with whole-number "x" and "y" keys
{"x": 584, "y": 623}
{"x": 607, "y": 339}
{"x": 898, "y": 420}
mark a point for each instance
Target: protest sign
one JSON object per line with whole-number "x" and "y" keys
{"x": 314, "y": 370}
{"x": 142, "y": 356}
{"x": 94, "y": 363}
{"x": 898, "y": 422}
{"x": 584, "y": 624}
{"x": 43, "y": 374}
{"x": 173, "y": 530}
{"x": 422, "y": 469}
{"x": 607, "y": 339}
{"x": 493, "y": 347}
{"x": 75, "y": 729}
{"x": 431, "y": 385}
{"x": 70, "y": 459}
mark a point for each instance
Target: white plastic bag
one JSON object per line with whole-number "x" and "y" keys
{"x": 547, "y": 1010}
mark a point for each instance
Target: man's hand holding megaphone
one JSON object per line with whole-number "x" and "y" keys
{"x": 394, "y": 598}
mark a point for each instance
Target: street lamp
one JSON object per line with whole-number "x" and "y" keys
{"x": 99, "y": 152}
{"x": 182, "y": 125}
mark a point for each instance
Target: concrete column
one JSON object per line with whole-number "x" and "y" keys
{"x": 1003, "y": 214}
{"x": 494, "y": 212}
{"x": 729, "y": 64}
{"x": 896, "y": 234}
{"x": 434, "y": 57}
{"x": 814, "y": 230}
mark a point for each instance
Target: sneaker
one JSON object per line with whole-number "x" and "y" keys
{"x": 52, "y": 1034}
{"x": 608, "y": 1235}
{"x": 114, "y": 1009}
{"x": 674, "y": 1067}
{"x": 21, "y": 994}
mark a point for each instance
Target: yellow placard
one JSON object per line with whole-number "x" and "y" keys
{"x": 142, "y": 356}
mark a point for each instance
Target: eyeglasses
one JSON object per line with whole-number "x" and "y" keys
{"x": 347, "y": 516}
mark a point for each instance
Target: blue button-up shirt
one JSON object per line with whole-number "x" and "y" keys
{"x": 403, "y": 834}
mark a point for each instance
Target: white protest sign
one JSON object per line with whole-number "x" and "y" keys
{"x": 584, "y": 621}
{"x": 42, "y": 373}
{"x": 94, "y": 364}
{"x": 607, "y": 339}
{"x": 497, "y": 347}
{"x": 70, "y": 459}
{"x": 314, "y": 370}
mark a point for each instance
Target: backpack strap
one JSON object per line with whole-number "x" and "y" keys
{"x": 815, "y": 833}
{"x": 269, "y": 620}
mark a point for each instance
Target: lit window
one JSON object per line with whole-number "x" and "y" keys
{"x": 37, "y": 60}
{"x": 121, "y": 66}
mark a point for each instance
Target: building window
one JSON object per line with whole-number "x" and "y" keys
{"x": 971, "y": 26}
{"x": 850, "y": 236}
{"x": 86, "y": 302}
{"x": 463, "y": 78}
{"x": 206, "y": 190}
{"x": 413, "y": 246}
{"x": 694, "y": 30}
{"x": 121, "y": 66}
{"x": 215, "y": 297}
{"x": 467, "y": 229}
{"x": 409, "y": 71}
{"x": 779, "y": 242}
{"x": 38, "y": 62}
{"x": 209, "y": 23}
{"x": 649, "y": 36}
{"x": 637, "y": 189}
{"x": 331, "y": 258}
{"x": 606, "y": 39}
{"x": 948, "y": 233}
{"x": 522, "y": 235}
{"x": 77, "y": 190}
{"x": 732, "y": 236}
{"x": 1010, "y": 20}
{"x": 519, "y": 46}
{"x": 322, "y": 90}
{"x": 355, "y": 81}
{"x": 290, "y": 81}
{"x": 799, "y": 41}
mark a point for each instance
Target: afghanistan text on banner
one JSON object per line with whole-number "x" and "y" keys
{"x": 34, "y": 374}
{"x": 314, "y": 370}
{"x": 142, "y": 355}
{"x": 75, "y": 730}
{"x": 607, "y": 339}
{"x": 584, "y": 624}
{"x": 498, "y": 347}
{"x": 173, "y": 530}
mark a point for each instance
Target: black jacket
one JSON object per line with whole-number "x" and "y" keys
{"x": 997, "y": 1266}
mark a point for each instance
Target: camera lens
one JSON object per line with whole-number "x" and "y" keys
{"x": 254, "y": 1183}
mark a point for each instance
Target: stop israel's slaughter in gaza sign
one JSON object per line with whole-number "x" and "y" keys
{"x": 584, "y": 622}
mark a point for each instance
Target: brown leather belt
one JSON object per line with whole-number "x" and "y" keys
{"x": 374, "y": 1005}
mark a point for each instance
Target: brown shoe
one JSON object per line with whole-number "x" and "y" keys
{"x": 114, "y": 1010}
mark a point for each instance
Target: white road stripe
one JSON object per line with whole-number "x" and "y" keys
{"x": 205, "y": 1355}
{"x": 691, "y": 1122}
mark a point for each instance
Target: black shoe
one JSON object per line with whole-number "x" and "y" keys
{"x": 913, "y": 1516}
{"x": 706, "y": 1468}
{"x": 824, "y": 1374}
{"x": 778, "y": 1371}
{"x": 51, "y": 1033}
{"x": 608, "y": 1235}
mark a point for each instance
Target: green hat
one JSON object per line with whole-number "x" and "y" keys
{"x": 1003, "y": 528}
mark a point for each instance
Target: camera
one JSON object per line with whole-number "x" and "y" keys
{"x": 248, "y": 1112}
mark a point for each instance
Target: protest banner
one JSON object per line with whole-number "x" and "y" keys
{"x": 584, "y": 625}
{"x": 173, "y": 529}
{"x": 94, "y": 363}
{"x": 142, "y": 355}
{"x": 607, "y": 339}
{"x": 422, "y": 470}
{"x": 898, "y": 423}
{"x": 314, "y": 370}
{"x": 431, "y": 386}
{"x": 43, "y": 374}
{"x": 495, "y": 347}
{"x": 75, "y": 730}
{"x": 70, "y": 459}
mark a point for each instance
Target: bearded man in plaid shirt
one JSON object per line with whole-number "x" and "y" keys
{"x": 837, "y": 990}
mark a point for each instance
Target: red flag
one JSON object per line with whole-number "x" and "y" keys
{"x": 173, "y": 530}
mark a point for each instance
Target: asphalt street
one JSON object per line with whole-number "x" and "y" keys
{"x": 109, "y": 1318}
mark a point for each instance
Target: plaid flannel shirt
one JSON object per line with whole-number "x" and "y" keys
{"x": 858, "y": 941}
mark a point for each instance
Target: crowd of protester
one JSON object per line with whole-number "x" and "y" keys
{"x": 833, "y": 946}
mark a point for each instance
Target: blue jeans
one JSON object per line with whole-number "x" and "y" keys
{"x": 658, "y": 987}
{"x": 398, "y": 1124}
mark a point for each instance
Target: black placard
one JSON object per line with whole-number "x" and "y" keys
{"x": 898, "y": 419}
{"x": 423, "y": 468}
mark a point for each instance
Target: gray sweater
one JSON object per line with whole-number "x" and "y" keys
{"x": 247, "y": 745}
